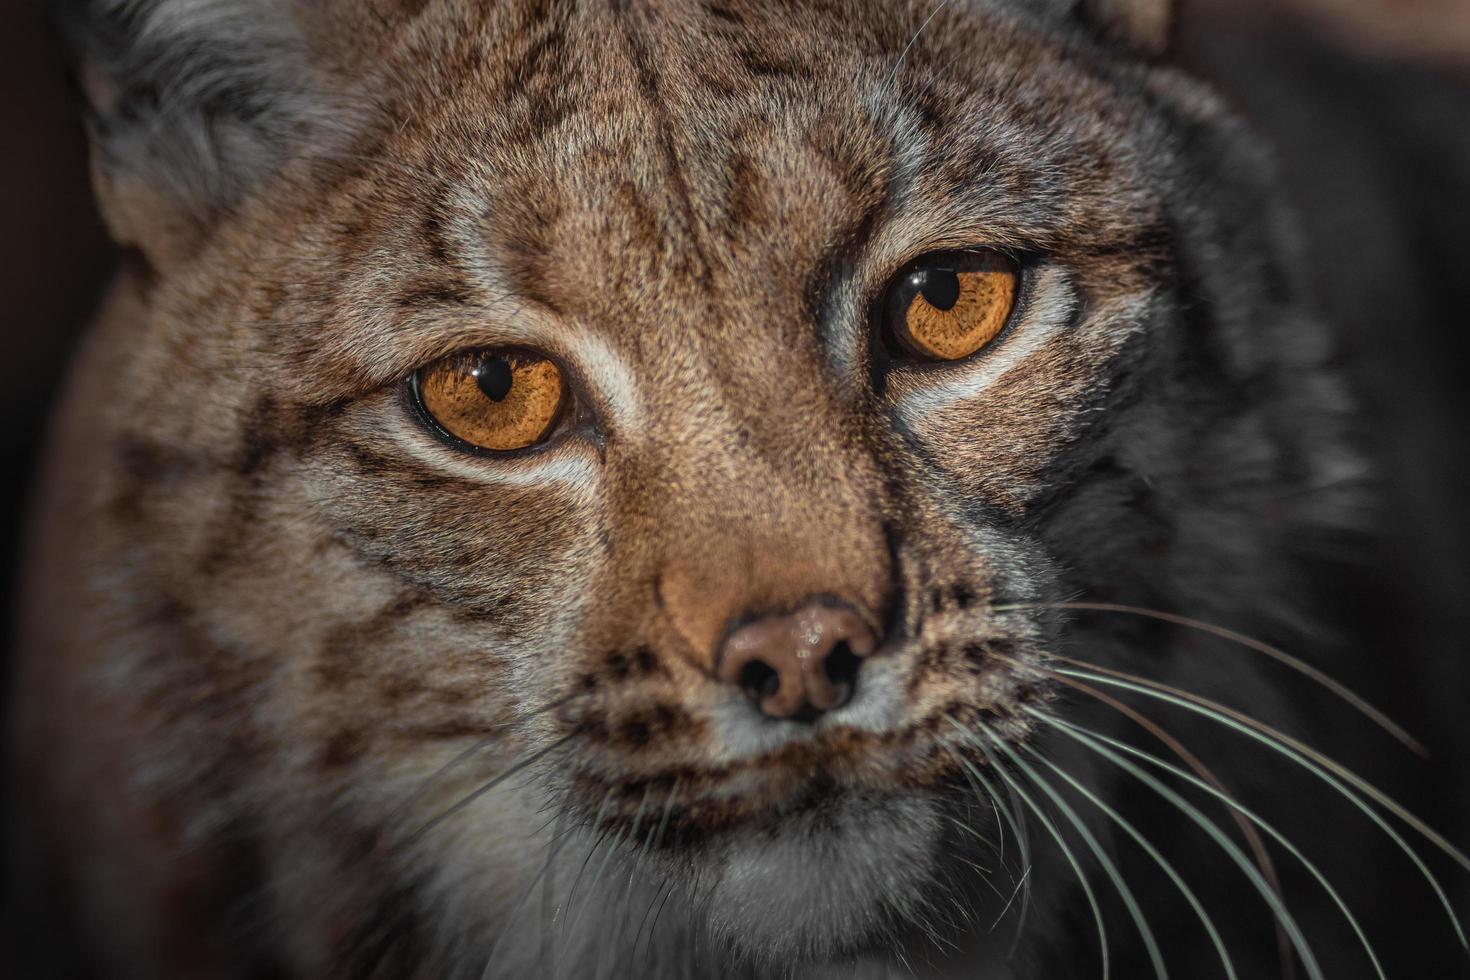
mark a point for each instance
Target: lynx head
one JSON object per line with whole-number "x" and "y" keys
{"x": 696, "y": 408}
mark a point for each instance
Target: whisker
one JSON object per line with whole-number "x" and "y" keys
{"x": 1017, "y": 823}
{"x": 1248, "y": 831}
{"x": 985, "y": 874}
{"x": 1324, "y": 768}
{"x": 596, "y": 821}
{"x": 487, "y": 787}
{"x": 1102, "y": 933}
{"x": 1109, "y": 868}
{"x": 962, "y": 908}
{"x": 659, "y": 893}
{"x": 663, "y": 826}
{"x": 519, "y": 907}
{"x": 982, "y": 871}
{"x": 1090, "y": 738}
{"x": 653, "y": 927}
{"x": 1025, "y": 876}
{"x": 1000, "y": 832}
{"x": 979, "y": 837}
{"x": 986, "y": 792}
{"x": 663, "y": 822}
{"x": 630, "y": 835}
{"x": 1148, "y": 848}
{"x": 1023, "y": 841}
{"x": 972, "y": 831}
{"x": 545, "y": 874}
{"x": 654, "y": 838}
{"x": 433, "y": 779}
{"x": 1236, "y": 855}
{"x": 1361, "y": 704}
{"x": 607, "y": 856}
{"x": 548, "y": 897}
{"x": 903, "y": 55}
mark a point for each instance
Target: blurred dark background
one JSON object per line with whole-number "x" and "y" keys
{"x": 1368, "y": 105}
{"x": 54, "y": 254}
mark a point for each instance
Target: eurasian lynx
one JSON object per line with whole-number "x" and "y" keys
{"x": 670, "y": 489}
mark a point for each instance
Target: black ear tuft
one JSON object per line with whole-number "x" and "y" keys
{"x": 196, "y": 100}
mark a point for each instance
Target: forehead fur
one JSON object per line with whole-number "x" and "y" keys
{"x": 737, "y": 164}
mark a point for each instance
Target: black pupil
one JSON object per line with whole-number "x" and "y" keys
{"x": 495, "y": 378}
{"x": 939, "y": 287}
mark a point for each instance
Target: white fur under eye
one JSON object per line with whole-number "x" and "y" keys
{"x": 572, "y": 468}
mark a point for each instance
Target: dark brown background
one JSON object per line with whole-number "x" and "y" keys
{"x": 53, "y": 251}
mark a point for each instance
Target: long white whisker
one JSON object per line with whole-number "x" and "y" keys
{"x": 430, "y": 781}
{"x": 1135, "y": 911}
{"x": 1329, "y": 771}
{"x": 984, "y": 790}
{"x": 1009, "y": 902}
{"x": 903, "y": 55}
{"x": 1242, "y": 862}
{"x": 1252, "y": 837}
{"x": 1012, "y": 816}
{"x": 1051, "y": 829}
{"x": 1091, "y": 738}
{"x": 1023, "y": 842}
{"x": 487, "y": 787}
{"x": 1240, "y": 639}
{"x": 1153, "y": 852}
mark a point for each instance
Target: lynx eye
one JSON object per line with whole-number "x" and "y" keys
{"x": 497, "y": 400}
{"x": 950, "y": 305}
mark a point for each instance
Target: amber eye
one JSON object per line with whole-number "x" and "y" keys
{"x": 498, "y": 400}
{"x": 951, "y": 304}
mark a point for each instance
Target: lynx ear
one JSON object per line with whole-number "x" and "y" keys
{"x": 192, "y": 104}
{"x": 1144, "y": 25}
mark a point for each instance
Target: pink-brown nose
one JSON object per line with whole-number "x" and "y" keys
{"x": 800, "y": 664}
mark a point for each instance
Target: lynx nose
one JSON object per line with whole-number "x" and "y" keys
{"x": 800, "y": 664}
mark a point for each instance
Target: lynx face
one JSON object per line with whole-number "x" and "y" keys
{"x": 644, "y": 433}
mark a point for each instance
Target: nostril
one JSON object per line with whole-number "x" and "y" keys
{"x": 798, "y": 665}
{"x": 842, "y": 667}
{"x": 759, "y": 680}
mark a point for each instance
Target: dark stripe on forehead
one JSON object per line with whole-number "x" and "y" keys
{"x": 871, "y": 184}
{"x": 537, "y": 95}
{"x": 650, "y": 86}
{"x": 723, "y": 13}
{"x": 763, "y": 63}
{"x": 431, "y": 293}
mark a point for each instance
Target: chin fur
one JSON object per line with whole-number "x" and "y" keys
{"x": 823, "y": 884}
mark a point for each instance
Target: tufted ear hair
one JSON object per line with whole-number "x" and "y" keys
{"x": 192, "y": 103}
{"x": 1144, "y": 25}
